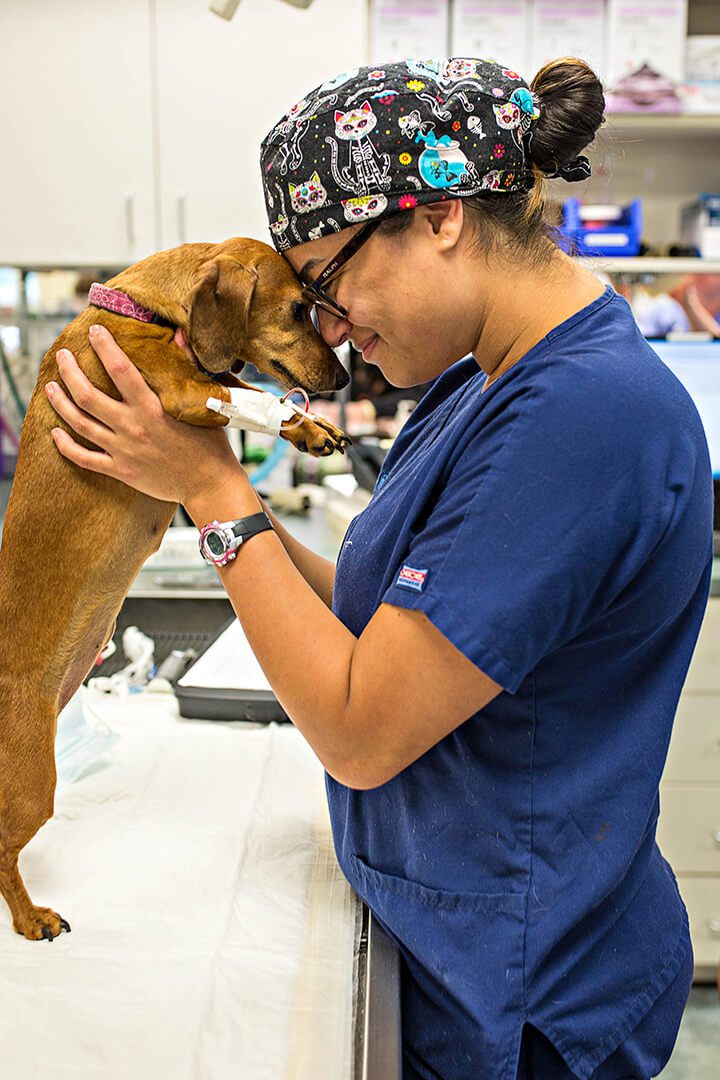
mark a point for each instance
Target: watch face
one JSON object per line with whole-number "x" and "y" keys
{"x": 215, "y": 543}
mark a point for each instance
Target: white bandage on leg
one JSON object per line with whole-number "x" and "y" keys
{"x": 255, "y": 410}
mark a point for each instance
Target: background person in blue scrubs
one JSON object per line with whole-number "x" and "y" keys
{"x": 490, "y": 676}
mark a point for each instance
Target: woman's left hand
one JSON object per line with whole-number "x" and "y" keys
{"x": 139, "y": 443}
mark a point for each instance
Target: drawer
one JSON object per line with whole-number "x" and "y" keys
{"x": 689, "y": 828}
{"x": 702, "y": 900}
{"x": 704, "y": 672}
{"x": 694, "y": 754}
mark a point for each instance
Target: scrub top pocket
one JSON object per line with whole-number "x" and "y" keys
{"x": 464, "y": 955}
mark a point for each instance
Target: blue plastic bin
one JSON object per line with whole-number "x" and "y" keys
{"x": 616, "y": 238}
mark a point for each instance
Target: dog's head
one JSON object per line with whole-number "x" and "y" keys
{"x": 246, "y": 304}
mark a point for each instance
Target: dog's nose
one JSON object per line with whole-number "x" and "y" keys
{"x": 341, "y": 379}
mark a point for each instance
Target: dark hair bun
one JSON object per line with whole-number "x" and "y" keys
{"x": 572, "y": 105}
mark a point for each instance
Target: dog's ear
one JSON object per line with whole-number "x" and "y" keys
{"x": 219, "y": 311}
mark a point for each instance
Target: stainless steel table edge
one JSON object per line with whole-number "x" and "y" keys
{"x": 378, "y": 1044}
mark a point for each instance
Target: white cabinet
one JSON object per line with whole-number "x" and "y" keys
{"x": 221, "y": 87}
{"x": 125, "y": 128}
{"x": 76, "y": 165}
{"x": 689, "y": 826}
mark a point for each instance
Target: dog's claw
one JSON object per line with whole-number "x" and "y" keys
{"x": 47, "y": 933}
{"x": 65, "y": 925}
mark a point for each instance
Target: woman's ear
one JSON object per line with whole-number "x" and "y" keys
{"x": 219, "y": 312}
{"x": 445, "y": 219}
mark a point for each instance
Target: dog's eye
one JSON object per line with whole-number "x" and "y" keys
{"x": 299, "y": 312}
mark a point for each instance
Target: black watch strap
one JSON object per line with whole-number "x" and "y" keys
{"x": 250, "y": 526}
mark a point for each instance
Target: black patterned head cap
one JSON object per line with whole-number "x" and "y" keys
{"x": 377, "y": 140}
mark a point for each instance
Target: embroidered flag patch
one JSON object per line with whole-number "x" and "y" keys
{"x": 411, "y": 578}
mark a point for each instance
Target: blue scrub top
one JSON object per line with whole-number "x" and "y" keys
{"x": 557, "y": 529}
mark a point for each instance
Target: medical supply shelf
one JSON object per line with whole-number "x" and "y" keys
{"x": 642, "y": 264}
{"x": 651, "y": 125}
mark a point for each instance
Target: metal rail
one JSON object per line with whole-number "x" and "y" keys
{"x": 378, "y": 1044}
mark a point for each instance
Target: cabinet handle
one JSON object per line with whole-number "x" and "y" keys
{"x": 130, "y": 216}
{"x": 182, "y": 231}
{"x": 713, "y": 926}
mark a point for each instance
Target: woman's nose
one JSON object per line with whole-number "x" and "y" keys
{"x": 332, "y": 329}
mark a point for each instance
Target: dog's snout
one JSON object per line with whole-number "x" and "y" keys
{"x": 341, "y": 379}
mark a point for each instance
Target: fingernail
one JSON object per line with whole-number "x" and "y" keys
{"x": 63, "y": 354}
{"x": 50, "y": 388}
{"x": 94, "y": 329}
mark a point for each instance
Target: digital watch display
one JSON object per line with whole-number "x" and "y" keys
{"x": 220, "y": 540}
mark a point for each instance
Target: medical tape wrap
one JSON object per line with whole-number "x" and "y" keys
{"x": 257, "y": 410}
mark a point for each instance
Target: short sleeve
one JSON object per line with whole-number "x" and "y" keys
{"x": 544, "y": 517}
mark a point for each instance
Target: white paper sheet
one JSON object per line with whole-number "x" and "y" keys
{"x": 567, "y": 28}
{"x": 408, "y": 29}
{"x": 212, "y": 931}
{"x": 492, "y": 30}
{"x": 652, "y": 32}
{"x": 229, "y": 664}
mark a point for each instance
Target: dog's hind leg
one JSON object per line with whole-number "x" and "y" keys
{"x": 27, "y": 766}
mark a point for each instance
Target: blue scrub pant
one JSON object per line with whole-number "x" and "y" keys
{"x": 642, "y": 1055}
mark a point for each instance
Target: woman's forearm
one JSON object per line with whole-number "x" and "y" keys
{"x": 317, "y": 571}
{"x": 304, "y": 650}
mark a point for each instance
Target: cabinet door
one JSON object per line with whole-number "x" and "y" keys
{"x": 694, "y": 755}
{"x": 704, "y": 672}
{"x": 222, "y": 85}
{"x": 689, "y": 828}
{"x": 702, "y": 899}
{"x": 76, "y": 182}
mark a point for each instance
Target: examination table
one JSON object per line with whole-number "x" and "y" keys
{"x": 213, "y": 935}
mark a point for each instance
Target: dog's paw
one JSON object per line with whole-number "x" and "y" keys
{"x": 41, "y": 924}
{"x": 316, "y": 437}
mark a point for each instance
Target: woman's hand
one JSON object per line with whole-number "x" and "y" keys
{"x": 140, "y": 444}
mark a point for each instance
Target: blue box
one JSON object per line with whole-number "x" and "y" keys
{"x": 615, "y": 238}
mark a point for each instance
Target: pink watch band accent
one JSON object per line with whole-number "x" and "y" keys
{"x": 216, "y": 560}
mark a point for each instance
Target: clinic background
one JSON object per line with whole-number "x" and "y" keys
{"x": 130, "y": 127}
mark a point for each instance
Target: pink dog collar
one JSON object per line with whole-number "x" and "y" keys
{"x": 119, "y": 302}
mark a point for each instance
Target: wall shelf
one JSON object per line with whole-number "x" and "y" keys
{"x": 661, "y": 125}
{"x": 650, "y": 265}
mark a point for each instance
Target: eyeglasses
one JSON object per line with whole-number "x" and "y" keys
{"x": 315, "y": 292}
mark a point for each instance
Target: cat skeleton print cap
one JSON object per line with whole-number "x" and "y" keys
{"x": 376, "y": 140}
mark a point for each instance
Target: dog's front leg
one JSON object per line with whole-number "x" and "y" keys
{"x": 317, "y": 437}
{"x": 184, "y": 392}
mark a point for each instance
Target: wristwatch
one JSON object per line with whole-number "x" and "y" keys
{"x": 220, "y": 540}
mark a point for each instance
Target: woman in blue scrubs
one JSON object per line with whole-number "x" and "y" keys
{"x": 490, "y": 674}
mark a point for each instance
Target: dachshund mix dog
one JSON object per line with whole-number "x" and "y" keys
{"x": 73, "y": 541}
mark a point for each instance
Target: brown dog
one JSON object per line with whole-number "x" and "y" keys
{"x": 73, "y": 541}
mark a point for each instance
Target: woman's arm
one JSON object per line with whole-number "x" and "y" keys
{"x": 317, "y": 571}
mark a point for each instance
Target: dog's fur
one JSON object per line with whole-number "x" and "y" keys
{"x": 74, "y": 540}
